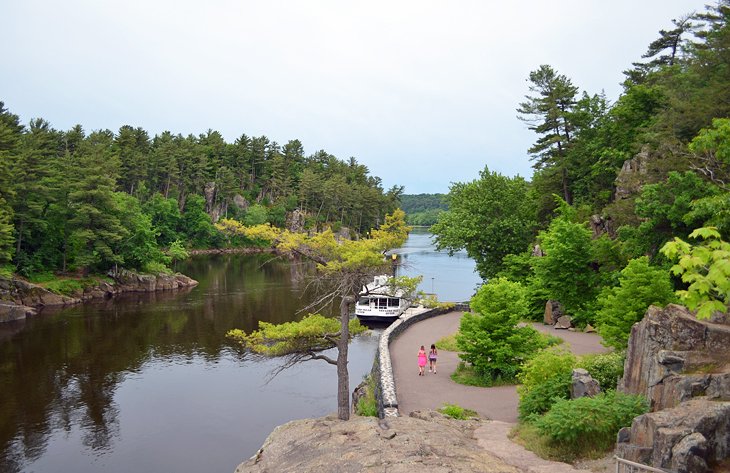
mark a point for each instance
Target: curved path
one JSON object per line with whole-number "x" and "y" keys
{"x": 433, "y": 390}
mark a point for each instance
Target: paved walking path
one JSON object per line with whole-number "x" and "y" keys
{"x": 498, "y": 403}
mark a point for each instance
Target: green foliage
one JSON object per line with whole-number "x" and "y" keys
{"x": 590, "y": 423}
{"x": 457, "y": 412}
{"x": 606, "y": 368}
{"x": 66, "y": 287}
{"x": 706, "y": 268}
{"x": 468, "y": 376}
{"x": 490, "y": 339}
{"x": 155, "y": 267}
{"x": 313, "y": 333}
{"x": 566, "y": 273}
{"x": 425, "y": 218}
{"x": 367, "y": 405}
{"x": 447, "y": 343}
{"x": 414, "y": 203}
{"x": 431, "y": 301}
{"x": 6, "y": 271}
{"x": 256, "y": 215}
{"x": 640, "y": 285}
{"x": 545, "y": 379}
{"x": 491, "y": 218}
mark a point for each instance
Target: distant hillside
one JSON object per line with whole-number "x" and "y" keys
{"x": 423, "y": 209}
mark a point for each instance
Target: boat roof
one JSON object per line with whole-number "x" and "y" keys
{"x": 380, "y": 287}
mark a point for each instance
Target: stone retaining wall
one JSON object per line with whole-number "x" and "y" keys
{"x": 382, "y": 372}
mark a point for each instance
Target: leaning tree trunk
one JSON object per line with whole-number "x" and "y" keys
{"x": 343, "y": 377}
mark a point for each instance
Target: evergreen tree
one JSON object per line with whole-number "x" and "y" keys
{"x": 549, "y": 114}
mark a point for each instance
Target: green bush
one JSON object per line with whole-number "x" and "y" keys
{"x": 154, "y": 267}
{"x": 367, "y": 406}
{"x": 606, "y": 368}
{"x": 590, "y": 423}
{"x": 640, "y": 285}
{"x": 490, "y": 339}
{"x": 545, "y": 379}
{"x": 468, "y": 376}
{"x": 457, "y": 412}
{"x": 447, "y": 343}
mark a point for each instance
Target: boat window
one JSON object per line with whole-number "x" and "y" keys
{"x": 382, "y": 303}
{"x": 393, "y": 302}
{"x": 364, "y": 301}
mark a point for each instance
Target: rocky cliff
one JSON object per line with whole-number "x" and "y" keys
{"x": 682, "y": 365}
{"x": 426, "y": 442}
{"x": 19, "y": 298}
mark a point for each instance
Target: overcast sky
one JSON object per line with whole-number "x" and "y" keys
{"x": 422, "y": 92}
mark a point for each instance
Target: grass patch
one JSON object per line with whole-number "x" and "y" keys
{"x": 527, "y": 435}
{"x": 65, "y": 287}
{"x": 457, "y": 412}
{"x": 447, "y": 343}
{"x": 367, "y": 406}
{"x": 43, "y": 277}
{"x": 468, "y": 376}
{"x": 547, "y": 340}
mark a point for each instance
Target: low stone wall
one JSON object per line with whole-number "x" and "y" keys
{"x": 382, "y": 372}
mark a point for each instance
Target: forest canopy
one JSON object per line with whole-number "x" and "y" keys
{"x": 77, "y": 201}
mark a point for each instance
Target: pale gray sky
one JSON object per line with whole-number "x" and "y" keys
{"x": 422, "y": 92}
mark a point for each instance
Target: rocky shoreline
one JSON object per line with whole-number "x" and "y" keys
{"x": 20, "y": 298}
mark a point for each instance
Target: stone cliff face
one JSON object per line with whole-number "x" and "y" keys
{"x": 682, "y": 366}
{"x": 20, "y": 298}
{"x": 427, "y": 442}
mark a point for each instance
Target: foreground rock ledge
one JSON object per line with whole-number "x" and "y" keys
{"x": 427, "y": 442}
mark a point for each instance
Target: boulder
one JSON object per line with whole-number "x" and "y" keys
{"x": 553, "y": 311}
{"x": 583, "y": 384}
{"x": 564, "y": 322}
{"x": 687, "y": 438}
{"x": 673, "y": 357}
{"x": 589, "y": 329}
{"x": 10, "y": 312}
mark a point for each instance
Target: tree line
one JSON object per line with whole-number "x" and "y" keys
{"x": 77, "y": 201}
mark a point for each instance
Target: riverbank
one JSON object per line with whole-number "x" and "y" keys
{"x": 20, "y": 298}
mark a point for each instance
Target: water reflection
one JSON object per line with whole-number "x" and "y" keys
{"x": 148, "y": 382}
{"x": 61, "y": 372}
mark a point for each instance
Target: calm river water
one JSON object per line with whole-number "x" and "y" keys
{"x": 150, "y": 383}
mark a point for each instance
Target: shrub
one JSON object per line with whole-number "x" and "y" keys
{"x": 545, "y": 379}
{"x": 606, "y": 368}
{"x": 491, "y": 340}
{"x": 468, "y": 376}
{"x": 590, "y": 423}
{"x": 154, "y": 267}
{"x": 368, "y": 406}
{"x": 640, "y": 285}
{"x": 457, "y": 412}
{"x": 447, "y": 343}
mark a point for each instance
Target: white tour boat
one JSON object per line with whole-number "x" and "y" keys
{"x": 379, "y": 302}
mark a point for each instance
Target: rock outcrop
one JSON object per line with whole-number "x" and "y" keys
{"x": 583, "y": 385}
{"x": 682, "y": 366}
{"x": 19, "y": 298}
{"x": 553, "y": 311}
{"x": 427, "y": 442}
{"x": 673, "y": 357}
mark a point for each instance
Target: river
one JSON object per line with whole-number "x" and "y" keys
{"x": 150, "y": 383}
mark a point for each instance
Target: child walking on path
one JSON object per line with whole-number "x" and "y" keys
{"x": 421, "y": 360}
{"x": 432, "y": 356}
